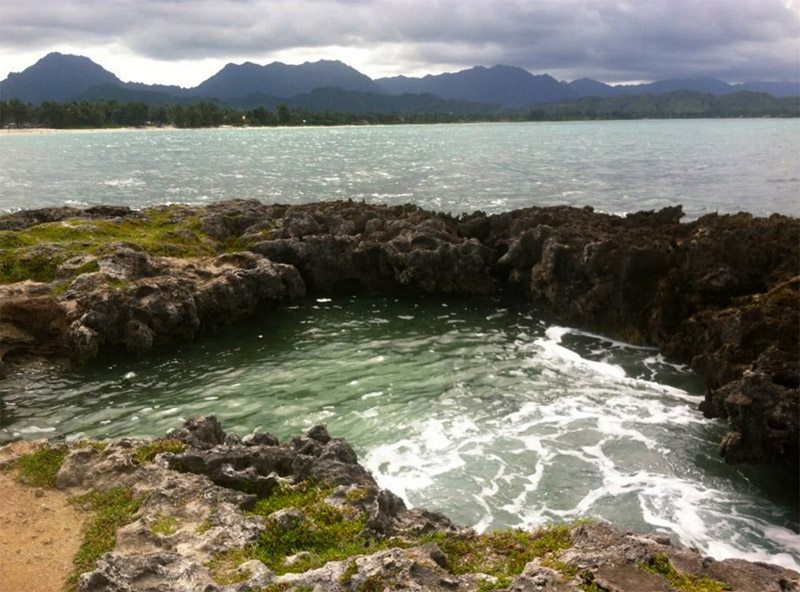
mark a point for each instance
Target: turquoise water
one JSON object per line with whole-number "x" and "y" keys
{"x": 706, "y": 165}
{"x": 487, "y": 411}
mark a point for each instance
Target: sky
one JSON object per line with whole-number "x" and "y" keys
{"x": 185, "y": 42}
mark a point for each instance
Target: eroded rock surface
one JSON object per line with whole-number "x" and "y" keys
{"x": 194, "y": 529}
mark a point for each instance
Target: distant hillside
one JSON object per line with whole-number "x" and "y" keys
{"x": 282, "y": 80}
{"x": 676, "y": 104}
{"x": 345, "y": 101}
{"x": 586, "y": 87}
{"x": 776, "y": 89}
{"x": 56, "y": 77}
{"x": 124, "y": 93}
{"x": 516, "y": 88}
{"x": 508, "y": 86}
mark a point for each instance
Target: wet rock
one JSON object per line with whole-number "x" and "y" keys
{"x": 747, "y": 354}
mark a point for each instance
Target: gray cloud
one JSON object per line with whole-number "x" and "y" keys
{"x": 605, "y": 39}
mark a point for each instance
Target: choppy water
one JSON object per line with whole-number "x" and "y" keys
{"x": 615, "y": 166}
{"x": 487, "y": 412}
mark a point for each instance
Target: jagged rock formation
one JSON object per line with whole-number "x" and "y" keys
{"x": 721, "y": 292}
{"x": 195, "y": 528}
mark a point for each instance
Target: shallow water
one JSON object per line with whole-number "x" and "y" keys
{"x": 615, "y": 166}
{"x": 484, "y": 410}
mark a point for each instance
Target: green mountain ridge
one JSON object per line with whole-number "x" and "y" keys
{"x": 58, "y": 77}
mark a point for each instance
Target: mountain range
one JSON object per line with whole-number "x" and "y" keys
{"x": 59, "y": 77}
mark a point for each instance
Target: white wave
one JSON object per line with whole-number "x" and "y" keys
{"x": 128, "y": 182}
{"x": 34, "y": 430}
{"x": 614, "y": 343}
{"x": 371, "y": 395}
{"x": 568, "y": 360}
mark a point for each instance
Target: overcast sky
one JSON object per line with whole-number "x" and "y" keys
{"x": 184, "y": 42}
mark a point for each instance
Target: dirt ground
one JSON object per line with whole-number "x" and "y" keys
{"x": 40, "y": 533}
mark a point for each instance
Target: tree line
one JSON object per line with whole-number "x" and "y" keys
{"x": 111, "y": 114}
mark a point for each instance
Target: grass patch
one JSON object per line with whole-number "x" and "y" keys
{"x": 502, "y": 554}
{"x": 36, "y": 252}
{"x": 327, "y": 533}
{"x": 99, "y": 446}
{"x": 39, "y": 468}
{"x": 148, "y": 452}
{"x": 659, "y": 565}
{"x": 333, "y": 534}
{"x": 356, "y": 495}
{"x": 30, "y": 263}
{"x": 165, "y": 525}
{"x": 352, "y": 569}
{"x": 113, "y": 509}
{"x": 205, "y": 525}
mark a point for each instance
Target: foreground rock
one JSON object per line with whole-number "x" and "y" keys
{"x": 720, "y": 293}
{"x": 207, "y": 520}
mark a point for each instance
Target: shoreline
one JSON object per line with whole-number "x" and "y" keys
{"x": 719, "y": 293}
{"x": 25, "y": 131}
{"x": 44, "y": 130}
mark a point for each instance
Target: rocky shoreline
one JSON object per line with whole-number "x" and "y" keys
{"x": 203, "y": 510}
{"x": 720, "y": 293}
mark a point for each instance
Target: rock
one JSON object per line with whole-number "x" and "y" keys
{"x": 202, "y": 433}
{"x": 173, "y": 300}
{"x": 259, "y": 438}
{"x": 210, "y": 524}
{"x": 747, "y": 354}
{"x": 287, "y": 519}
{"x": 27, "y": 218}
{"x": 536, "y": 577}
{"x": 256, "y": 573}
{"x": 164, "y": 572}
{"x": 615, "y": 557}
{"x": 297, "y": 559}
{"x": 319, "y": 433}
{"x": 32, "y": 325}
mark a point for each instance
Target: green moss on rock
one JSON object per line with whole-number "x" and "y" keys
{"x": 39, "y": 469}
{"x": 147, "y": 452}
{"x": 660, "y": 565}
{"x": 112, "y": 509}
{"x": 36, "y": 252}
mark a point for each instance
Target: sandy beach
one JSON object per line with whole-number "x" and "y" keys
{"x": 50, "y": 130}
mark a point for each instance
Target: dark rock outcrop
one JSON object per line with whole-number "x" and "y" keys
{"x": 136, "y": 301}
{"x": 720, "y": 292}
